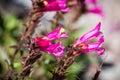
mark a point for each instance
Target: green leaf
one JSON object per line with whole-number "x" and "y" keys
{"x": 11, "y": 22}
{"x": 17, "y": 66}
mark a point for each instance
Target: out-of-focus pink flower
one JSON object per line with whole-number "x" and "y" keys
{"x": 83, "y": 43}
{"x": 92, "y": 6}
{"x": 55, "y": 5}
{"x": 45, "y": 43}
{"x": 96, "y": 10}
{"x": 94, "y": 2}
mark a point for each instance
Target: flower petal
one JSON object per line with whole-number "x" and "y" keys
{"x": 100, "y": 51}
{"x": 96, "y": 10}
{"x": 56, "y": 49}
{"x": 42, "y": 42}
{"x": 96, "y": 46}
{"x": 91, "y": 2}
{"x": 57, "y": 34}
{"x": 94, "y": 7}
{"x": 54, "y": 5}
{"x": 91, "y": 34}
{"x": 59, "y": 51}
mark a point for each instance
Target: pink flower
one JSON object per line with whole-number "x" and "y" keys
{"x": 45, "y": 43}
{"x": 54, "y": 5}
{"x": 96, "y": 10}
{"x": 84, "y": 45}
{"x": 57, "y": 34}
{"x": 55, "y": 49}
{"x": 93, "y": 7}
{"x": 94, "y": 2}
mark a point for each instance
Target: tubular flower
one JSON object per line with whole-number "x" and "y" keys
{"x": 94, "y": 8}
{"x": 45, "y": 43}
{"x": 57, "y": 34}
{"x": 83, "y": 45}
{"x": 54, "y": 5}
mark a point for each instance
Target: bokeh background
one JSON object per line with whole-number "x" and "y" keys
{"x": 13, "y": 14}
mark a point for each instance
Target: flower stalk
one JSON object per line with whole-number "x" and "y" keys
{"x": 28, "y": 63}
{"x": 30, "y": 25}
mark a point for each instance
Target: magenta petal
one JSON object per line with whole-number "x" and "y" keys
{"x": 59, "y": 51}
{"x": 66, "y": 9}
{"x": 96, "y": 46}
{"x": 42, "y": 42}
{"x": 91, "y": 2}
{"x": 95, "y": 7}
{"x": 51, "y": 48}
{"x": 96, "y": 10}
{"x": 93, "y": 46}
{"x": 53, "y": 35}
{"x": 56, "y": 49}
{"x": 54, "y": 5}
{"x": 100, "y": 51}
{"x": 57, "y": 34}
{"x": 91, "y": 34}
{"x": 62, "y": 5}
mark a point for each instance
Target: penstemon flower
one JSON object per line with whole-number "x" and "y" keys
{"x": 91, "y": 2}
{"x": 45, "y": 43}
{"x": 94, "y": 8}
{"x": 54, "y": 5}
{"x": 83, "y": 46}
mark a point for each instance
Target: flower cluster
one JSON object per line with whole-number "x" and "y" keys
{"x": 45, "y": 43}
{"x": 83, "y": 45}
{"x": 54, "y": 5}
{"x": 93, "y": 7}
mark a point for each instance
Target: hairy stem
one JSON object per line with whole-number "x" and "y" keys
{"x": 64, "y": 63}
{"x": 28, "y": 63}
